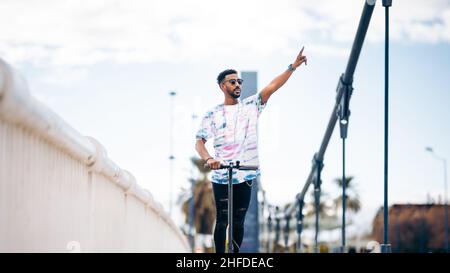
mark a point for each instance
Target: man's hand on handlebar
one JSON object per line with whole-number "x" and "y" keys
{"x": 213, "y": 164}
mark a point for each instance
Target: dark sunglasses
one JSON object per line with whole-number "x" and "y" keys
{"x": 233, "y": 81}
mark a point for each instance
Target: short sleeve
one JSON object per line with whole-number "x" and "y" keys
{"x": 259, "y": 104}
{"x": 205, "y": 131}
{"x": 255, "y": 101}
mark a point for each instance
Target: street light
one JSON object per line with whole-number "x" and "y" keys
{"x": 192, "y": 201}
{"x": 444, "y": 161}
{"x": 171, "y": 156}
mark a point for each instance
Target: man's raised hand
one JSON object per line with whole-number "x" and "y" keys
{"x": 300, "y": 59}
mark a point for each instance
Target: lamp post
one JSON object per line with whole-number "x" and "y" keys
{"x": 171, "y": 156}
{"x": 444, "y": 162}
{"x": 192, "y": 201}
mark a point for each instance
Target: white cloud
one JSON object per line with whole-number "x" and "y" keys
{"x": 65, "y": 76}
{"x": 60, "y": 33}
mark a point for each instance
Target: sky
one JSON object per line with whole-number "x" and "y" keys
{"x": 107, "y": 67}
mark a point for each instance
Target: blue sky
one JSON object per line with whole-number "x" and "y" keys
{"x": 107, "y": 67}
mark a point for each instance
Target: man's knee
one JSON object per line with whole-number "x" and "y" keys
{"x": 222, "y": 219}
{"x": 239, "y": 217}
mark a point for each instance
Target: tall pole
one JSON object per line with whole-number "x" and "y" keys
{"x": 317, "y": 193}
{"x": 344, "y": 116}
{"x": 386, "y": 128}
{"x": 192, "y": 201}
{"x": 386, "y": 247}
{"x": 344, "y": 196}
{"x": 445, "y": 207}
{"x": 171, "y": 156}
{"x": 230, "y": 209}
{"x": 444, "y": 161}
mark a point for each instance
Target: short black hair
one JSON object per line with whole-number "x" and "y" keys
{"x": 224, "y": 73}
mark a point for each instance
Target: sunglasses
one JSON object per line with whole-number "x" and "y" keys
{"x": 234, "y": 81}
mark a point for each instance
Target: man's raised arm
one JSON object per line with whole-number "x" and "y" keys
{"x": 279, "y": 81}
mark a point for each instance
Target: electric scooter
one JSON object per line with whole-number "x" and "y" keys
{"x": 230, "y": 168}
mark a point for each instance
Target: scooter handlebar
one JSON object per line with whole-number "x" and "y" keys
{"x": 239, "y": 167}
{"x": 222, "y": 166}
{"x": 248, "y": 168}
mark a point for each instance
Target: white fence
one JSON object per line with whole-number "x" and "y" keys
{"x": 59, "y": 192}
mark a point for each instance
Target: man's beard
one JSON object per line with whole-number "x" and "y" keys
{"x": 234, "y": 95}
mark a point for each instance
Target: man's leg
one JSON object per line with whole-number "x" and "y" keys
{"x": 220, "y": 230}
{"x": 241, "y": 200}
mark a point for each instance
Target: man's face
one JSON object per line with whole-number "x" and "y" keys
{"x": 231, "y": 85}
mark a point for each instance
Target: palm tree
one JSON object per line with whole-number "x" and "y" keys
{"x": 352, "y": 199}
{"x": 204, "y": 207}
{"x": 324, "y": 206}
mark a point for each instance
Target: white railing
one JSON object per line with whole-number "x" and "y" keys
{"x": 59, "y": 192}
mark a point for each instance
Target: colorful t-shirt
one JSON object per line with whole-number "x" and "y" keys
{"x": 234, "y": 129}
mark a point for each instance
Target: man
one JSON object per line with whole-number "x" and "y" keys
{"x": 233, "y": 126}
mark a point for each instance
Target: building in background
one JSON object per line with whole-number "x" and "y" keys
{"x": 251, "y": 227}
{"x": 413, "y": 227}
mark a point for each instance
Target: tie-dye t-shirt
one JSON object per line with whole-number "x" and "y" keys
{"x": 234, "y": 129}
